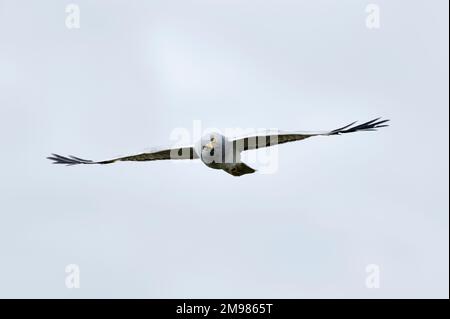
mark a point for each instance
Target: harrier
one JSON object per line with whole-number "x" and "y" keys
{"x": 219, "y": 152}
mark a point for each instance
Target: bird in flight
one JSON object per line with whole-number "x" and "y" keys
{"x": 219, "y": 152}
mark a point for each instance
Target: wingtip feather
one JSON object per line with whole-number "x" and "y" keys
{"x": 69, "y": 161}
{"x": 372, "y": 125}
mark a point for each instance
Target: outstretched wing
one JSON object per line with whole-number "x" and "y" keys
{"x": 275, "y": 138}
{"x": 168, "y": 154}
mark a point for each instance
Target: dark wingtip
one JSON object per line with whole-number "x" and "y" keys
{"x": 372, "y": 125}
{"x": 71, "y": 160}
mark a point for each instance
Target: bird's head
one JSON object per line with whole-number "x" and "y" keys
{"x": 212, "y": 147}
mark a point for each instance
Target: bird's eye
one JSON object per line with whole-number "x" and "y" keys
{"x": 212, "y": 139}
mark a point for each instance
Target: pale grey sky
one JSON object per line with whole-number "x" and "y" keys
{"x": 136, "y": 70}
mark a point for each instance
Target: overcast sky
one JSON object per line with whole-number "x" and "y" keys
{"x": 136, "y": 70}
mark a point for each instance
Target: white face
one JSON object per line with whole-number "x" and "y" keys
{"x": 212, "y": 148}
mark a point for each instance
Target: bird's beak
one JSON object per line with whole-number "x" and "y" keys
{"x": 209, "y": 145}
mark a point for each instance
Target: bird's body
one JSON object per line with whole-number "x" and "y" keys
{"x": 219, "y": 152}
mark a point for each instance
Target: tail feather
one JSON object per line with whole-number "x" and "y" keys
{"x": 239, "y": 169}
